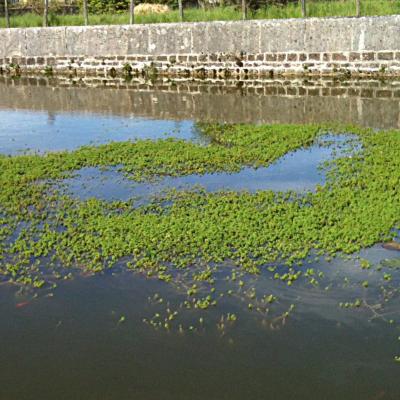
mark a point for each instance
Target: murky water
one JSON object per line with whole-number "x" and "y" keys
{"x": 91, "y": 337}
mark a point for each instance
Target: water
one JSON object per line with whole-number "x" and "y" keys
{"x": 87, "y": 339}
{"x": 24, "y": 131}
{"x": 71, "y": 345}
{"x": 299, "y": 171}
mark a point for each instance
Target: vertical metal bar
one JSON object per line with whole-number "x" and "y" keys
{"x": 46, "y": 13}
{"x": 85, "y": 12}
{"x": 180, "y": 10}
{"x": 303, "y": 9}
{"x": 6, "y": 14}
{"x": 358, "y": 8}
{"x": 132, "y": 12}
{"x": 244, "y": 10}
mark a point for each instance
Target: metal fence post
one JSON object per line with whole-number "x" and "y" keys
{"x": 132, "y": 12}
{"x": 180, "y": 10}
{"x": 244, "y": 10}
{"x": 6, "y": 14}
{"x": 46, "y": 13}
{"x": 85, "y": 12}
{"x": 358, "y": 8}
{"x": 303, "y": 8}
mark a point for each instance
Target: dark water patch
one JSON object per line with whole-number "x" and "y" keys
{"x": 88, "y": 340}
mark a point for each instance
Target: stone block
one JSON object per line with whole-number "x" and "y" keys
{"x": 387, "y": 55}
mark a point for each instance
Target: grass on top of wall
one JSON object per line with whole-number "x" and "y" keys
{"x": 315, "y": 8}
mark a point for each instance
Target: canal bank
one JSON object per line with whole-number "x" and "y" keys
{"x": 260, "y": 48}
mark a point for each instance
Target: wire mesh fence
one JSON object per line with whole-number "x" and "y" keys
{"x": 84, "y": 12}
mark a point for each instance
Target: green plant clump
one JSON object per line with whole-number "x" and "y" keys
{"x": 42, "y": 229}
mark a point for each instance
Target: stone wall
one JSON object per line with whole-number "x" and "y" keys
{"x": 350, "y": 46}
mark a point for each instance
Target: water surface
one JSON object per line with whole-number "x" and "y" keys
{"x": 71, "y": 345}
{"x": 27, "y": 131}
{"x": 90, "y": 338}
{"x": 300, "y": 171}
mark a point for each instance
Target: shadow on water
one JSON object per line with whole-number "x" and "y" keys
{"x": 87, "y": 339}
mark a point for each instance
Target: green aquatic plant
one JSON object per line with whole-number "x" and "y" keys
{"x": 357, "y": 207}
{"x": 210, "y": 246}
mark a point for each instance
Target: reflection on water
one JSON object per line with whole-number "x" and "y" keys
{"x": 370, "y": 103}
{"x": 40, "y": 131}
{"x": 297, "y": 171}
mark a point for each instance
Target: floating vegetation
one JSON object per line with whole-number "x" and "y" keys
{"x": 300, "y": 170}
{"x": 195, "y": 239}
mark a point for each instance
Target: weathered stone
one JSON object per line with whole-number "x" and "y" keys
{"x": 271, "y": 90}
{"x": 354, "y": 56}
{"x": 353, "y": 92}
{"x": 385, "y": 55}
{"x": 383, "y": 93}
{"x": 338, "y": 91}
{"x": 313, "y": 92}
{"x": 325, "y": 91}
{"x": 270, "y": 57}
{"x": 339, "y": 57}
{"x": 249, "y": 48}
{"x": 314, "y": 56}
{"x": 291, "y": 91}
{"x": 302, "y": 91}
{"x": 369, "y": 93}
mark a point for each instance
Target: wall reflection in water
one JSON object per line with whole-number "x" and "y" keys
{"x": 369, "y": 103}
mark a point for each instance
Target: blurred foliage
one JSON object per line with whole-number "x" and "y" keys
{"x": 116, "y": 11}
{"x": 119, "y": 6}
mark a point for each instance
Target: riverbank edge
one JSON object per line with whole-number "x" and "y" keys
{"x": 349, "y": 47}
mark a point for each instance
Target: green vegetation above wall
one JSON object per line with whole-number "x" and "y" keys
{"x": 115, "y": 12}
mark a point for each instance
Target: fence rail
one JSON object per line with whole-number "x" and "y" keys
{"x": 244, "y": 9}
